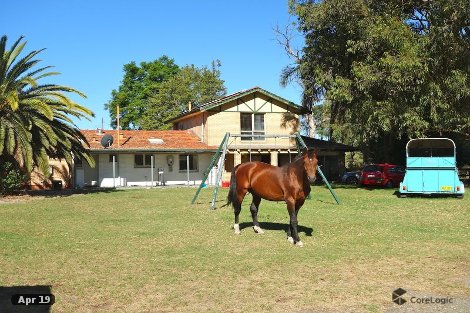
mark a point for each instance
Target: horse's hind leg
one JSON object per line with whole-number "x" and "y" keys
{"x": 254, "y": 214}
{"x": 236, "y": 210}
{"x": 237, "y": 207}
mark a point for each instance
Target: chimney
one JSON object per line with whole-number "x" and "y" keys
{"x": 189, "y": 106}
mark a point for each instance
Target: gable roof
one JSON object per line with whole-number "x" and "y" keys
{"x": 147, "y": 140}
{"x": 237, "y": 95}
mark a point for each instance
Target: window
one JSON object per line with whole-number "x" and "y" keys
{"x": 192, "y": 162}
{"x": 252, "y": 124}
{"x": 142, "y": 160}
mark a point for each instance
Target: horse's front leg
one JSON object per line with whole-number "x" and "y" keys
{"x": 298, "y": 205}
{"x": 292, "y": 233}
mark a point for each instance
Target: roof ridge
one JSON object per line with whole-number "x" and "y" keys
{"x": 220, "y": 101}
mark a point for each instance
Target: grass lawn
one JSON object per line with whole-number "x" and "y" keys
{"x": 150, "y": 251}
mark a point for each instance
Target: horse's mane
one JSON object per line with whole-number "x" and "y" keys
{"x": 296, "y": 159}
{"x": 299, "y": 156}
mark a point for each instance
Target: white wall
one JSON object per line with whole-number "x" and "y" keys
{"x": 128, "y": 175}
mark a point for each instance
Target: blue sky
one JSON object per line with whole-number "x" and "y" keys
{"x": 89, "y": 41}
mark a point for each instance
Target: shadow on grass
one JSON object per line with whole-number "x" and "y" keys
{"x": 353, "y": 187}
{"x": 338, "y": 186}
{"x": 278, "y": 226}
{"x": 68, "y": 192}
{"x": 322, "y": 201}
{"x": 427, "y": 195}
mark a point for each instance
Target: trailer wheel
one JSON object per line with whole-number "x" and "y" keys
{"x": 459, "y": 196}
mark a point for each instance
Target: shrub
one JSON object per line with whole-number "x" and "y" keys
{"x": 12, "y": 178}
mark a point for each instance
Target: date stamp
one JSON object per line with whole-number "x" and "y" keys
{"x": 32, "y": 299}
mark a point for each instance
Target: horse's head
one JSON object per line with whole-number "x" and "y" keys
{"x": 311, "y": 164}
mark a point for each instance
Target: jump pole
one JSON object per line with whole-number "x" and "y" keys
{"x": 220, "y": 154}
{"x": 301, "y": 144}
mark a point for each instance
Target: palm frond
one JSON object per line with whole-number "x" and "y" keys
{"x": 3, "y": 131}
{"x": 15, "y": 52}
{"x": 10, "y": 141}
{"x": 36, "y": 118}
{"x": 42, "y": 161}
{"x": 12, "y": 75}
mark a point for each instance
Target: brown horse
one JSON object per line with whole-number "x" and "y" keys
{"x": 289, "y": 183}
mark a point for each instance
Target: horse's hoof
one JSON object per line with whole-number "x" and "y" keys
{"x": 290, "y": 239}
{"x": 236, "y": 228}
{"x": 258, "y": 230}
{"x": 299, "y": 244}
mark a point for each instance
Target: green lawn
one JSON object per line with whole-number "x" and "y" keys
{"x": 148, "y": 250}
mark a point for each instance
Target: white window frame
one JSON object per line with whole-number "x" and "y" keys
{"x": 253, "y": 132}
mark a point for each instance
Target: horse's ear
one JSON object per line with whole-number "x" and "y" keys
{"x": 311, "y": 153}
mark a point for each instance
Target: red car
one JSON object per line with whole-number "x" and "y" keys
{"x": 384, "y": 175}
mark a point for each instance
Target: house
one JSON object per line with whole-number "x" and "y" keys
{"x": 60, "y": 176}
{"x": 143, "y": 158}
{"x": 132, "y": 158}
{"x": 259, "y": 122}
{"x": 331, "y": 156}
{"x": 182, "y": 155}
{"x": 253, "y": 114}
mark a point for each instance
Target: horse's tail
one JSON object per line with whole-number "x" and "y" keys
{"x": 232, "y": 192}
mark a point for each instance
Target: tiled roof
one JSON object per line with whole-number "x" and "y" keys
{"x": 160, "y": 140}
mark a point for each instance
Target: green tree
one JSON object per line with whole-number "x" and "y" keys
{"x": 12, "y": 177}
{"x": 36, "y": 119}
{"x": 386, "y": 70}
{"x": 191, "y": 85}
{"x": 138, "y": 84}
{"x": 154, "y": 92}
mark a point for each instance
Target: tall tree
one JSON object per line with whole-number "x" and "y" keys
{"x": 154, "y": 92}
{"x": 387, "y": 69}
{"x": 138, "y": 84}
{"x": 190, "y": 86}
{"x": 35, "y": 118}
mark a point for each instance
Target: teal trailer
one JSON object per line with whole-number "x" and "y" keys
{"x": 431, "y": 168}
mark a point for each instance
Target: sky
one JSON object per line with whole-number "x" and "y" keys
{"x": 89, "y": 41}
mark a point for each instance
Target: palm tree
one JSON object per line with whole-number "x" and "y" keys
{"x": 35, "y": 119}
